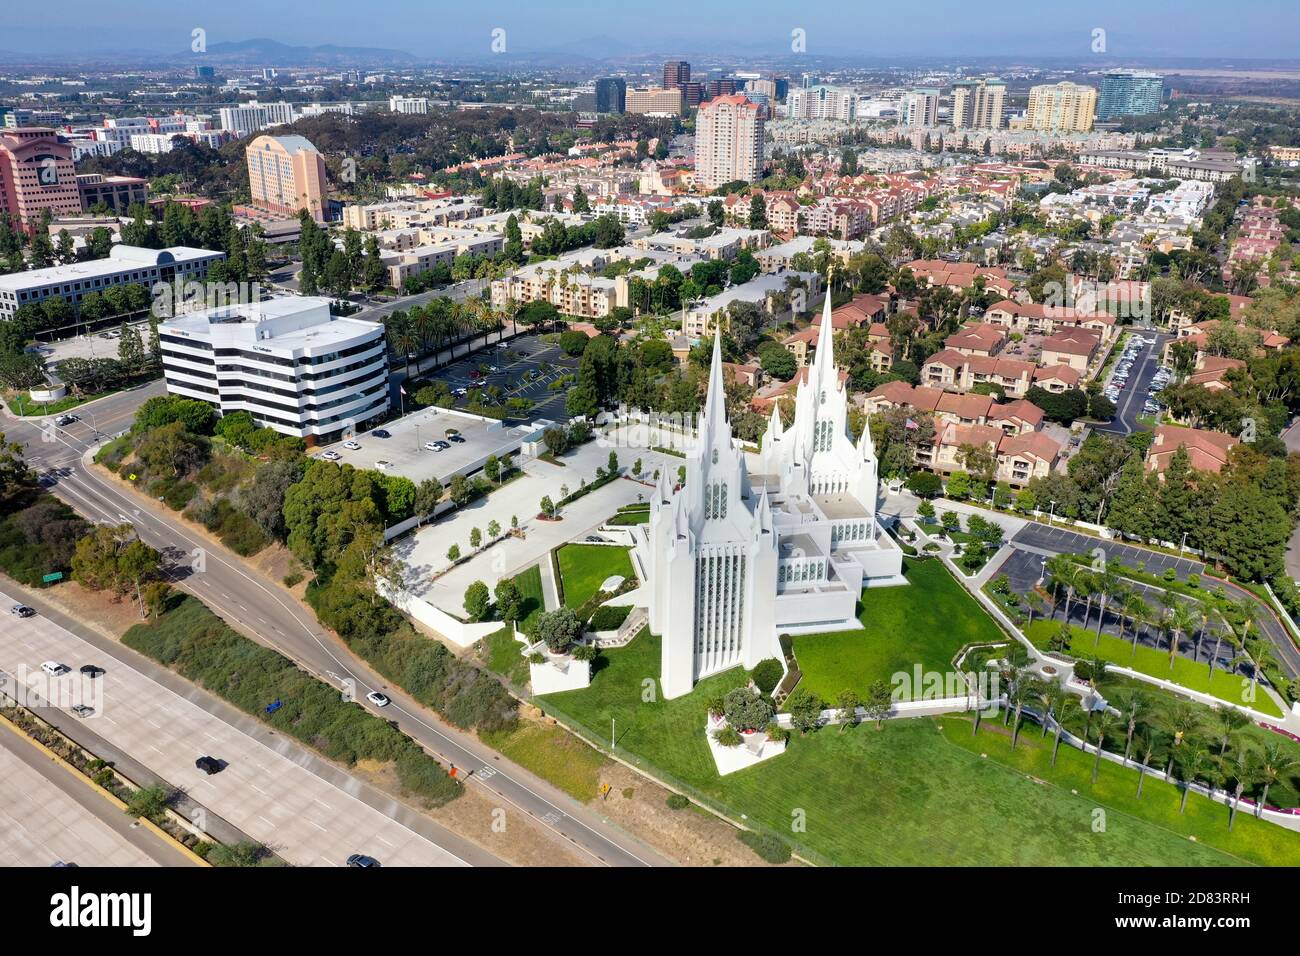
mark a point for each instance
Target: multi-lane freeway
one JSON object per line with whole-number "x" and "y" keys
{"x": 267, "y": 612}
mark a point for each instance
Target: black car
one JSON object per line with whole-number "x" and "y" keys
{"x": 360, "y": 859}
{"x": 381, "y": 433}
{"x": 91, "y": 670}
{"x": 458, "y": 439}
{"x": 209, "y": 765}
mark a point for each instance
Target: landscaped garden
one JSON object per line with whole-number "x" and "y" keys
{"x": 925, "y": 622}
{"x": 917, "y": 792}
{"x": 584, "y": 567}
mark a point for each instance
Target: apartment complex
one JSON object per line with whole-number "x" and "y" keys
{"x": 125, "y": 265}
{"x": 821, "y": 102}
{"x": 656, "y": 101}
{"x": 919, "y": 108}
{"x": 978, "y": 104}
{"x": 728, "y": 141}
{"x": 1211, "y": 166}
{"x": 288, "y": 362}
{"x": 1129, "y": 93}
{"x": 36, "y": 174}
{"x": 1061, "y": 108}
{"x": 285, "y": 175}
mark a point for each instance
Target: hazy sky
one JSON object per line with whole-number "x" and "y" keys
{"x": 459, "y": 28}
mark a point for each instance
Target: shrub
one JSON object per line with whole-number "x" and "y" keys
{"x": 607, "y": 618}
{"x": 746, "y": 710}
{"x": 676, "y": 801}
{"x": 770, "y": 849}
{"x": 767, "y": 674}
{"x": 727, "y": 736}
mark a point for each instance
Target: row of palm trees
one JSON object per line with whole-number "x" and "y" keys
{"x": 1172, "y": 618}
{"x": 1198, "y": 746}
{"x": 441, "y": 323}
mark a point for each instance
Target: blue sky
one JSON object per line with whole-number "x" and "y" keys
{"x": 455, "y": 28}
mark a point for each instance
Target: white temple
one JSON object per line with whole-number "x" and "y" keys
{"x": 733, "y": 560}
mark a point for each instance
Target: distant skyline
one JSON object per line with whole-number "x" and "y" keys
{"x": 435, "y": 29}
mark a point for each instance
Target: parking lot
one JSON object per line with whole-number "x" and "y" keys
{"x": 405, "y": 453}
{"x": 1136, "y": 382}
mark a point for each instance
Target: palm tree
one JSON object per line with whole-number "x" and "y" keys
{"x": 1049, "y": 695}
{"x": 1243, "y": 772}
{"x": 1261, "y": 658}
{"x": 1024, "y": 691}
{"x": 1035, "y": 604}
{"x": 1060, "y": 569}
{"x": 1180, "y": 720}
{"x": 1146, "y": 745}
{"x": 1273, "y": 763}
{"x": 1182, "y": 620}
{"x": 1119, "y": 600}
{"x": 1067, "y": 704}
{"x": 1132, "y": 708}
{"x": 1218, "y": 641}
{"x": 1228, "y": 720}
{"x": 1191, "y": 764}
{"x": 1107, "y": 727}
{"x": 1140, "y": 611}
{"x": 1085, "y": 587}
{"x": 1107, "y": 585}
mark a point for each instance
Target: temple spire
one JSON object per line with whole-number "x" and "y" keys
{"x": 824, "y": 359}
{"x": 715, "y": 400}
{"x": 866, "y": 445}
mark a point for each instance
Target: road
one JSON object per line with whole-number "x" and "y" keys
{"x": 265, "y": 611}
{"x": 274, "y": 790}
{"x": 47, "y": 816}
{"x": 1044, "y": 541}
{"x": 1291, "y": 437}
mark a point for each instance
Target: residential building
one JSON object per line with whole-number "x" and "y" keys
{"x": 1213, "y": 166}
{"x": 1129, "y": 93}
{"x": 287, "y": 361}
{"x": 285, "y": 175}
{"x": 821, "y": 102}
{"x": 1207, "y": 450}
{"x": 978, "y": 104}
{"x": 36, "y": 174}
{"x": 728, "y": 141}
{"x": 125, "y": 265}
{"x": 919, "y": 108}
{"x": 1061, "y": 108}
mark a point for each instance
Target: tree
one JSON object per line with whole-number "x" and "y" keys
{"x": 548, "y": 506}
{"x": 558, "y": 628}
{"x": 171, "y": 448}
{"x": 878, "y": 702}
{"x": 747, "y": 711}
{"x": 130, "y": 351}
{"x": 112, "y": 558}
{"x": 509, "y": 600}
{"x": 475, "y": 538}
{"x": 477, "y": 601}
{"x": 453, "y": 553}
{"x": 805, "y": 710}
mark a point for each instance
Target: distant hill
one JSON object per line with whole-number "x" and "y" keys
{"x": 274, "y": 53}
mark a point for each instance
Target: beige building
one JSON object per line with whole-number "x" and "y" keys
{"x": 655, "y": 100}
{"x": 285, "y": 175}
{"x": 728, "y": 141}
{"x": 978, "y": 104}
{"x": 1063, "y": 108}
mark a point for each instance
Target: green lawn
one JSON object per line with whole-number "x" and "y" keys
{"x": 584, "y": 567}
{"x": 529, "y": 582}
{"x": 904, "y": 795}
{"x": 925, "y": 622}
{"x": 502, "y": 655}
{"x": 1154, "y": 663}
{"x": 554, "y": 754}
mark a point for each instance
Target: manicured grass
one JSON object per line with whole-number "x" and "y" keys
{"x": 584, "y": 567}
{"x": 529, "y": 582}
{"x": 904, "y": 795}
{"x": 553, "y": 754}
{"x": 502, "y": 655}
{"x": 1155, "y": 663}
{"x": 1251, "y": 840}
{"x": 925, "y": 622}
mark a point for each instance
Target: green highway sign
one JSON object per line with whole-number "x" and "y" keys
{"x": 53, "y": 576}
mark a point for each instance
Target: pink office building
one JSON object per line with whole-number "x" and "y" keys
{"x": 36, "y": 173}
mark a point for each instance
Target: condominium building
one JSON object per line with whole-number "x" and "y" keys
{"x": 415, "y": 105}
{"x": 978, "y": 104}
{"x": 1129, "y": 93}
{"x": 288, "y": 362}
{"x": 285, "y": 175}
{"x": 1061, "y": 108}
{"x": 611, "y": 95}
{"x": 655, "y": 100}
{"x": 821, "y": 102}
{"x": 36, "y": 173}
{"x": 728, "y": 141}
{"x": 125, "y": 265}
{"x": 919, "y": 108}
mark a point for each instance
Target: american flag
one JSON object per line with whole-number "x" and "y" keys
{"x": 911, "y": 425}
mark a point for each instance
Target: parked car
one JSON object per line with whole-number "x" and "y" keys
{"x": 91, "y": 670}
{"x": 432, "y": 446}
{"x": 442, "y": 444}
{"x": 82, "y": 710}
{"x": 350, "y": 445}
{"x": 458, "y": 438}
{"x": 209, "y": 765}
{"x": 22, "y": 610}
{"x": 54, "y": 668}
{"x": 378, "y": 699}
{"x": 361, "y": 860}
{"x": 383, "y": 464}
{"x": 330, "y": 456}
{"x": 381, "y": 433}
{"x": 460, "y": 392}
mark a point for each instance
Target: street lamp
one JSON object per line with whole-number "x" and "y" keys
{"x": 1051, "y": 515}
{"x": 1182, "y": 544}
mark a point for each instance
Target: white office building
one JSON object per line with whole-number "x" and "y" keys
{"x": 287, "y": 361}
{"x": 408, "y": 104}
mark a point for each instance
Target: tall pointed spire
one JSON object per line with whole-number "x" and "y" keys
{"x": 825, "y": 337}
{"x": 867, "y": 445}
{"x": 715, "y": 400}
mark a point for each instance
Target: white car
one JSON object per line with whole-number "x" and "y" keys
{"x": 382, "y": 464}
{"x": 431, "y": 446}
{"x": 350, "y": 445}
{"x": 378, "y": 699}
{"x": 54, "y": 668}
{"x": 330, "y": 456}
